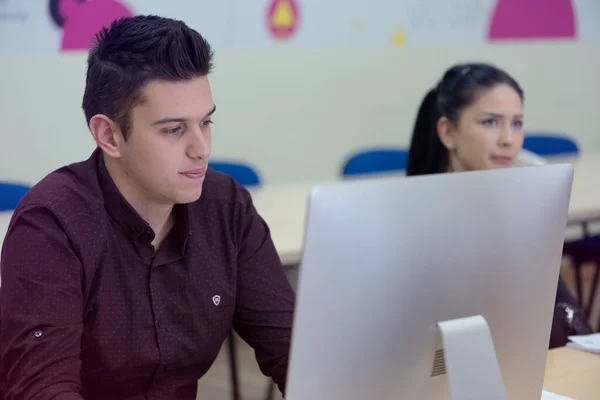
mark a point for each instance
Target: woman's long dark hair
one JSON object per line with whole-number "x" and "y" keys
{"x": 459, "y": 88}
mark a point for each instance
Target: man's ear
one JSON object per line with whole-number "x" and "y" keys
{"x": 446, "y": 132}
{"x": 107, "y": 134}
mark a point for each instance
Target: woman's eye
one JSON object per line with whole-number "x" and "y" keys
{"x": 490, "y": 122}
{"x": 207, "y": 122}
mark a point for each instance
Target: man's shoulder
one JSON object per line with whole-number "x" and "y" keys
{"x": 224, "y": 189}
{"x": 70, "y": 192}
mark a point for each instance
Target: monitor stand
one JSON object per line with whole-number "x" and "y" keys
{"x": 465, "y": 366}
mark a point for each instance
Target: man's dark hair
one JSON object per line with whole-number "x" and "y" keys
{"x": 134, "y": 51}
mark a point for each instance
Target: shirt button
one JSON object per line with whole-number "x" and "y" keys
{"x": 159, "y": 323}
{"x": 38, "y": 334}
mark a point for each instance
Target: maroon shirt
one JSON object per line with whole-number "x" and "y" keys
{"x": 89, "y": 310}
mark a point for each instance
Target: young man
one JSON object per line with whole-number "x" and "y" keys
{"x": 123, "y": 274}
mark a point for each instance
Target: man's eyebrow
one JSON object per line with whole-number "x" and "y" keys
{"x": 211, "y": 112}
{"x": 169, "y": 120}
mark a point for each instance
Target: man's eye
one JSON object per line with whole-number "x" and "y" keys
{"x": 173, "y": 131}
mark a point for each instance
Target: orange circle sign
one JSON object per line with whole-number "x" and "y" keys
{"x": 282, "y": 18}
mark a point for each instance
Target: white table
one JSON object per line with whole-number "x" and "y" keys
{"x": 585, "y": 195}
{"x": 284, "y": 206}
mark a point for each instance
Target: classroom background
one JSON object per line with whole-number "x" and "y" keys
{"x": 301, "y": 85}
{"x": 296, "y": 101}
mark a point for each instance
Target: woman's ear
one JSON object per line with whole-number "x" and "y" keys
{"x": 446, "y": 132}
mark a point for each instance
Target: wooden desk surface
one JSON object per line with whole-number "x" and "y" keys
{"x": 573, "y": 373}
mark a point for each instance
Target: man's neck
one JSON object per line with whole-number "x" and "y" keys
{"x": 159, "y": 216}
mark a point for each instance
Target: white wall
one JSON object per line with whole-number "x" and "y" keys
{"x": 298, "y": 114}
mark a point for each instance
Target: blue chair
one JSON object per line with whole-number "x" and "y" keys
{"x": 550, "y": 144}
{"x": 376, "y": 161}
{"x": 244, "y": 174}
{"x": 11, "y": 194}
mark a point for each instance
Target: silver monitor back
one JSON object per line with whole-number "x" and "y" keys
{"x": 386, "y": 259}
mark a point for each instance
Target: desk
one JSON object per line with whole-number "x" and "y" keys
{"x": 284, "y": 206}
{"x": 585, "y": 195}
{"x": 573, "y": 373}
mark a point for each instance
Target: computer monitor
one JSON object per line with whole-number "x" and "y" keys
{"x": 385, "y": 260}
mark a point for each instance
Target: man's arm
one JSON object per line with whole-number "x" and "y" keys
{"x": 265, "y": 299}
{"x": 41, "y": 310}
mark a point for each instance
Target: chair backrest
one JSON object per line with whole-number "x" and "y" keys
{"x": 243, "y": 173}
{"x": 11, "y": 194}
{"x": 550, "y": 144}
{"x": 376, "y": 161}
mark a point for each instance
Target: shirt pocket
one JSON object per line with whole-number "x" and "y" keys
{"x": 211, "y": 313}
{"x": 199, "y": 324}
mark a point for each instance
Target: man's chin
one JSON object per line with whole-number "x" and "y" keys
{"x": 189, "y": 196}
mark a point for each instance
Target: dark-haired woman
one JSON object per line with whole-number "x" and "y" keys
{"x": 473, "y": 120}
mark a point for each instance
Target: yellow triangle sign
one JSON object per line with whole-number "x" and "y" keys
{"x": 398, "y": 38}
{"x": 283, "y": 15}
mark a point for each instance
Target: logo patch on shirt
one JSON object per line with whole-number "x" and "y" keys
{"x": 216, "y": 299}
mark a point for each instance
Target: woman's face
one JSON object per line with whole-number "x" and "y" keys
{"x": 488, "y": 133}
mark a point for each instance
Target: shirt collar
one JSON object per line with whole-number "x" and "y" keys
{"x": 129, "y": 219}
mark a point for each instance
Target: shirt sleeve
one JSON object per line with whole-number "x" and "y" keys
{"x": 265, "y": 299}
{"x": 41, "y": 308}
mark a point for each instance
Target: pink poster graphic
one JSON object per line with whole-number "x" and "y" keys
{"x": 532, "y": 19}
{"x": 80, "y": 20}
{"x": 283, "y": 18}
